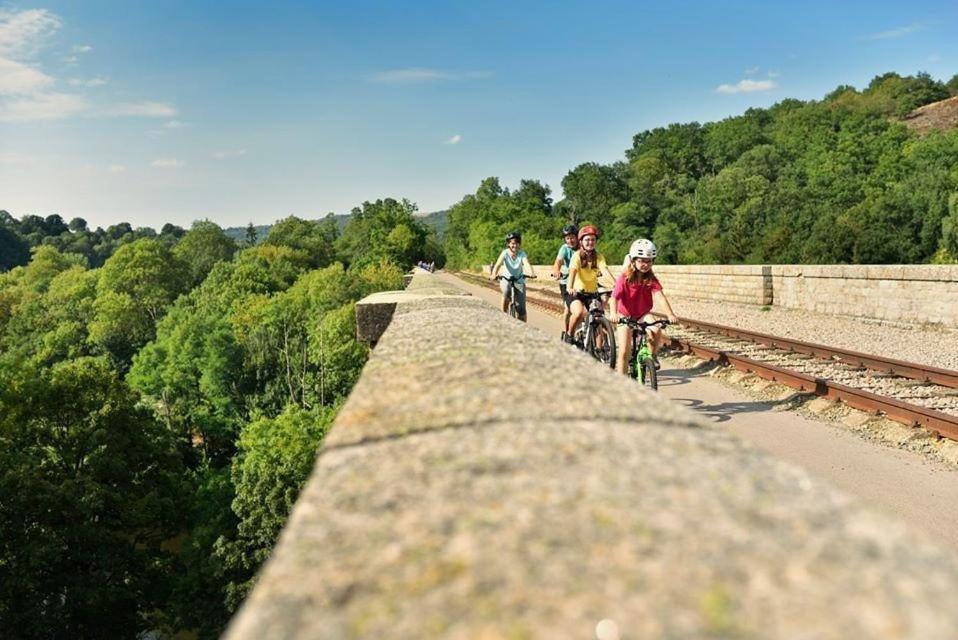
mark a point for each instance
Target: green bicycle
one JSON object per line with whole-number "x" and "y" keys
{"x": 641, "y": 363}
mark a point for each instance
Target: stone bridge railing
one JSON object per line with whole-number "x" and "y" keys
{"x": 485, "y": 481}
{"x": 916, "y": 293}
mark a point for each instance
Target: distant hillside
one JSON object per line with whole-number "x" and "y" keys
{"x": 436, "y": 220}
{"x": 940, "y": 116}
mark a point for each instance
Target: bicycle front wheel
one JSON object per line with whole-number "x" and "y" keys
{"x": 602, "y": 345}
{"x": 649, "y": 375}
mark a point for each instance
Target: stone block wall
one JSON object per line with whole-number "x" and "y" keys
{"x": 925, "y": 294}
{"x": 898, "y": 293}
{"x": 461, "y": 493}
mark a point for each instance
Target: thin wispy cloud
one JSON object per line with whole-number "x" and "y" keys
{"x": 23, "y": 33}
{"x": 116, "y": 168}
{"x": 228, "y": 153}
{"x": 746, "y": 86}
{"x": 773, "y": 74}
{"x": 456, "y": 139}
{"x": 896, "y": 33}
{"x": 27, "y": 93}
{"x": 174, "y": 124}
{"x": 418, "y": 75}
{"x": 167, "y": 163}
{"x": 141, "y": 109}
{"x": 934, "y": 58}
{"x": 19, "y": 79}
{"x": 42, "y": 106}
{"x": 752, "y": 71}
{"x": 90, "y": 82}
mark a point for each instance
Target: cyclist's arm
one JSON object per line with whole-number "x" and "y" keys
{"x": 659, "y": 297}
{"x": 570, "y": 286}
{"x": 557, "y": 268}
{"x": 528, "y": 265}
{"x": 495, "y": 267}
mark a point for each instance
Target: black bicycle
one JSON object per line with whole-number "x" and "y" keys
{"x": 595, "y": 334}
{"x": 641, "y": 362}
{"x": 513, "y": 307}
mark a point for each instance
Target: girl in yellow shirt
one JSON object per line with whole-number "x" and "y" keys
{"x": 586, "y": 266}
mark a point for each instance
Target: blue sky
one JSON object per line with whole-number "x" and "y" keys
{"x": 154, "y": 112}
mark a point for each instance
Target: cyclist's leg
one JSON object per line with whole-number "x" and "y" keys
{"x": 566, "y": 301}
{"x": 655, "y": 338}
{"x": 519, "y": 292}
{"x": 504, "y": 286}
{"x": 623, "y": 340}
{"x": 576, "y": 312}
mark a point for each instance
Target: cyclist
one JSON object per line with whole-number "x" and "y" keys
{"x": 633, "y": 298}
{"x": 586, "y": 266}
{"x": 515, "y": 260}
{"x": 560, "y": 268}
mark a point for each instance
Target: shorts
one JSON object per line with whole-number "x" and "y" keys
{"x": 520, "y": 294}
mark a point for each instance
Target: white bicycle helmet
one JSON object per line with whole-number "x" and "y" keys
{"x": 642, "y": 249}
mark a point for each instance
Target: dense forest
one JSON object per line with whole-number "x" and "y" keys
{"x": 839, "y": 180}
{"x": 162, "y": 397}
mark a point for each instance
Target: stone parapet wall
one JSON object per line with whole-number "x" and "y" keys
{"x": 897, "y": 293}
{"x": 926, "y": 294}
{"x": 462, "y": 492}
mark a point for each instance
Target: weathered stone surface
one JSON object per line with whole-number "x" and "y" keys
{"x": 469, "y": 489}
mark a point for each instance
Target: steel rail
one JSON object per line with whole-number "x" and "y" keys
{"x": 914, "y": 371}
{"x": 940, "y": 424}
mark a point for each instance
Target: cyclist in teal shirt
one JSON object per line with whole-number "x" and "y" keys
{"x": 515, "y": 261}
{"x": 560, "y": 269}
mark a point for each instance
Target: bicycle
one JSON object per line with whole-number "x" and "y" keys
{"x": 513, "y": 307}
{"x": 595, "y": 334}
{"x": 641, "y": 362}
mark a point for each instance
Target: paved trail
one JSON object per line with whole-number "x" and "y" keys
{"x": 900, "y": 483}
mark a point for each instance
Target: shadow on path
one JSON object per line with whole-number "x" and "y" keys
{"x": 722, "y": 412}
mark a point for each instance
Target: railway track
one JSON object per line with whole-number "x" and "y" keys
{"x": 906, "y": 392}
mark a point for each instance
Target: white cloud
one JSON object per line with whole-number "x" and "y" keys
{"x": 418, "y": 75}
{"x": 41, "y": 106}
{"x": 934, "y": 58}
{"x": 82, "y": 48}
{"x": 456, "y": 139}
{"x": 752, "y": 71}
{"x": 228, "y": 153}
{"x": 19, "y": 79}
{"x": 746, "y": 86}
{"x": 141, "y": 109}
{"x": 91, "y": 82}
{"x": 116, "y": 168}
{"x": 773, "y": 74}
{"x": 174, "y": 124}
{"x": 167, "y": 163}
{"x": 23, "y": 33}
{"x": 71, "y": 60}
{"x": 896, "y": 33}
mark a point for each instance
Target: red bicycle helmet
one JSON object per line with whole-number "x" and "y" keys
{"x": 588, "y": 230}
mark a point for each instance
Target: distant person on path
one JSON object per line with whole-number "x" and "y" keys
{"x": 560, "y": 268}
{"x": 586, "y": 266}
{"x": 636, "y": 290}
{"x": 516, "y": 262}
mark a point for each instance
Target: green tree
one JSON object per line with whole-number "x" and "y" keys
{"x": 135, "y": 287}
{"x": 203, "y": 246}
{"x": 89, "y": 491}
{"x": 314, "y": 238}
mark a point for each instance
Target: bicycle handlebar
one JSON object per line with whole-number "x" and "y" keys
{"x": 513, "y": 279}
{"x": 642, "y": 326}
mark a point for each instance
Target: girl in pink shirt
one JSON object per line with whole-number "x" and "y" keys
{"x": 636, "y": 291}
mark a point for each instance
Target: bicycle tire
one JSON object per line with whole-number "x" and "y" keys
{"x": 605, "y": 354}
{"x": 650, "y": 376}
{"x": 512, "y": 309}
